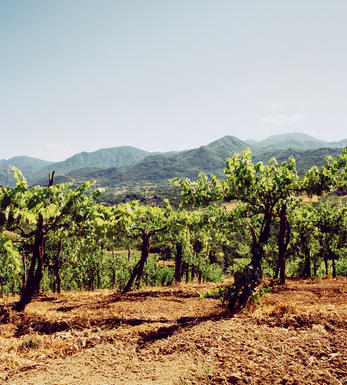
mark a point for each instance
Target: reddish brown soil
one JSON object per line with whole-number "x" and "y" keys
{"x": 294, "y": 335}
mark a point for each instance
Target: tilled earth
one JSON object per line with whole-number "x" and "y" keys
{"x": 294, "y": 335}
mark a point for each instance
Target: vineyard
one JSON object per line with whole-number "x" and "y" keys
{"x": 60, "y": 250}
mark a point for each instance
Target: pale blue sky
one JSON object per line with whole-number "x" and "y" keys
{"x": 79, "y": 75}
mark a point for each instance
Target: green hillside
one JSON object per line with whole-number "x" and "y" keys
{"x": 155, "y": 168}
{"x": 26, "y": 164}
{"x": 341, "y": 144}
{"x": 229, "y": 145}
{"x": 298, "y": 141}
{"x": 293, "y": 140}
{"x": 122, "y": 165}
{"x": 159, "y": 168}
{"x": 108, "y": 157}
{"x": 304, "y": 159}
{"x": 83, "y": 171}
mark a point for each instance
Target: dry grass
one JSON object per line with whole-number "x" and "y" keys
{"x": 294, "y": 335}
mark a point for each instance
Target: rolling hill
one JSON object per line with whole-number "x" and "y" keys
{"x": 298, "y": 141}
{"x": 119, "y": 165}
{"x": 124, "y": 156}
{"x": 157, "y": 168}
{"x": 209, "y": 159}
{"x": 305, "y": 159}
{"x": 28, "y": 164}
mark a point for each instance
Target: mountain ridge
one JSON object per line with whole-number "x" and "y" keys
{"x": 249, "y": 142}
{"x": 298, "y": 140}
{"x": 116, "y": 165}
{"x": 105, "y": 157}
{"x": 30, "y": 163}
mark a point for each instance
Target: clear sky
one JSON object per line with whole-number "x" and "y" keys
{"x": 79, "y": 75}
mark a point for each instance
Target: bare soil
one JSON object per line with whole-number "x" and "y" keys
{"x": 294, "y": 335}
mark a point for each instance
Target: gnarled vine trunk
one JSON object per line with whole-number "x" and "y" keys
{"x": 138, "y": 269}
{"x": 56, "y": 268}
{"x": 35, "y": 273}
{"x": 178, "y": 262}
{"x": 245, "y": 281}
{"x": 282, "y": 244}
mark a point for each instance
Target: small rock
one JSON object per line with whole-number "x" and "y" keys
{"x": 233, "y": 378}
{"x": 319, "y": 328}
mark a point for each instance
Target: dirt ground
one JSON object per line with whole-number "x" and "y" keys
{"x": 294, "y": 335}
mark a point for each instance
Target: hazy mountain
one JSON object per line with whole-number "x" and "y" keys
{"x": 6, "y": 178}
{"x": 341, "y": 144}
{"x": 108, "y": 157}
{"x": 295, "y": 140}
{"x": 227, "y": 146}
{"x": 83, "y": 171}
{"x": 26, "y": 164}
{"x": 305, "y": 159}
{"x": 123, "y": 164}
{"x": 209, "y": 159}
{"x": 157, "y": 168}
{"x": 251, "y": 142}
